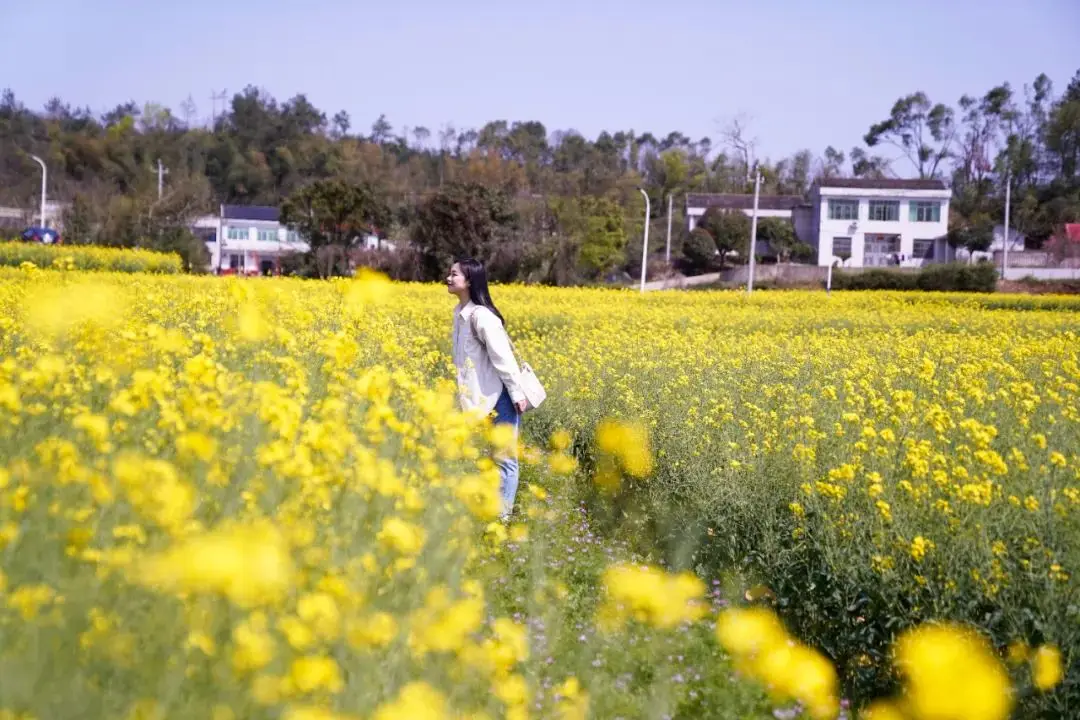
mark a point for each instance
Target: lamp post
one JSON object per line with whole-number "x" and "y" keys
{"x": 667, "y": 248}
{"x": 1005, "y": 245}
{"x": 44, "y": 178}
{"x": 645, "y": 242}
{"x": 753, "y": 231}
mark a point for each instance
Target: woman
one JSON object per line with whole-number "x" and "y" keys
{"x": 486, "y": 367}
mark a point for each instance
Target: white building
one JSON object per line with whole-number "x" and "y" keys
{"x": 867, "y": 223}
{"x": 247, "y": 240}
{"x": 250, "y": 240}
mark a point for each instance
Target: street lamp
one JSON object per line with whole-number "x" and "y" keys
{"x": 1005, "y": 245}
{"x": 44, "y": 177}
{"x": 645, "y": 243}
{"x": 753, "y": 231}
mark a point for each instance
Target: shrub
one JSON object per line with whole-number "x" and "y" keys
{"x": 67, "y": 257}
{"x": 698, "y": 251}
{"x": 952, "y": 277}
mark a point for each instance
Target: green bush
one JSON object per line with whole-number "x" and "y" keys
{"x": 85, "y": 257}
{"x": 952, "y": 277}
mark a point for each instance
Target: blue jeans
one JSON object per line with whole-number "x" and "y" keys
{"x": 506, "y": 413}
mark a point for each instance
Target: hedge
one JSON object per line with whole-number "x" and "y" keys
{"x": 951, "y": 277}
{"x": 86, "y": 257}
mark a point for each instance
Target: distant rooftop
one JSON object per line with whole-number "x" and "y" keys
{"x": 257, "y": 213}
{"x": 882, "y": 184}
{"x": 730, "y": 201}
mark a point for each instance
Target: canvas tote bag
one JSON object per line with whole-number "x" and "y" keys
{"x": 530, "y": 385}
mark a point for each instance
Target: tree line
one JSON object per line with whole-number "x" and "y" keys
{"x": 538, "y": 205}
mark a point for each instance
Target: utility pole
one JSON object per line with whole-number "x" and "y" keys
{"x": 214, "y": 97}
{"x": 667, "y": 251}
{"x": 44, "y": 179}
{"x": 645, "y": 242}
{"x": 162, "y": 171}
{"x": 1005, "y": 245}
{"x": 753, "y": 230}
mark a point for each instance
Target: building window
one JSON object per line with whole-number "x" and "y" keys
{"x": 885, "y": 210}
{"x": 843, "y": 209}
{"x": 924, "y": 249}
{"x": 236, "y": 233}
{"x": 293, "y": 237}
{"x": 925, "y": 212}
{"x": 841, "y": 247}
{"x": 268, "y": 235}
{"x": 236, "y": 261}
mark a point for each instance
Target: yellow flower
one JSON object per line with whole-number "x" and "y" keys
{"x": 253, "y": 645}
{"x": 374, "y": 631}
{"x": 416, "y": 701}
{"x": 313, "y": 673}
{"x": 651, "y": 596}
{"x": 746, "y": 630}
{"x": 249, "y": 564}
{"x": 401, "y": 536}
{"x": 560, "y": 440}
{"x": 573, "y": 701}
{"x": 629, "y": 442}
{"x": 1046, "y": 671}
{"x": 951, "y": 672}
{"x": 320, "y": 611}
{"x": 919, "y": 547}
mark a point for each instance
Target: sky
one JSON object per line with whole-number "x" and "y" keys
{"x": 801, "y": 73}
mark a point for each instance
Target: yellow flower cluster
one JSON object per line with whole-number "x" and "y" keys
{"x": 75, "y": 257}
{"x": 790, "y": 670}
{"x": 259, "y": 495}
{"x": 649, "y": 595}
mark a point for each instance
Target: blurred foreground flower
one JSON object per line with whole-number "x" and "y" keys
{"x": 789, "y": 669}
{"x": 249, "y": 564}
{"x": 1046, "y": 667}
{"x": 368, "y": 287}
{"x": 57, "y": 310}
{"x": 951, "y": 673}
{"x": 649, "y": 595}
{"x": 629, "y": 443}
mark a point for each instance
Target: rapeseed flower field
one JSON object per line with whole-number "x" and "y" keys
{"x": 230, "y": 499}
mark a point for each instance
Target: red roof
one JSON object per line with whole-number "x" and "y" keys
{"x": 1072, "y": 232}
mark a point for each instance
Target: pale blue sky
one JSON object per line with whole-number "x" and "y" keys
{"x": 807, "y": 73}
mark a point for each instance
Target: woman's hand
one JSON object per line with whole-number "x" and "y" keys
{"x": 521, "y": 405}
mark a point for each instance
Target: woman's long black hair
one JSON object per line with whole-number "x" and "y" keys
{"x": 476, "y": 276}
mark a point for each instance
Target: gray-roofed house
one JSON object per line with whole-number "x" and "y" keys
{"x": 790, "y": 207}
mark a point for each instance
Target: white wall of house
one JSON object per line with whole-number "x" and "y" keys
{"x": 872, "y": 240}
{"x": 244, "y": 245}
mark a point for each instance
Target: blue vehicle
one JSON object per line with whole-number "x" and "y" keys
{"x": 47, "y": 236}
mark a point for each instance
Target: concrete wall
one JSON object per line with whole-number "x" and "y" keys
{"x": 781, "y": 272}
{"x": 1019, "y": 273}
{"x": 1027, "y": 258}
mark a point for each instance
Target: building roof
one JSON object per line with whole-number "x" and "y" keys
{"x": 882, "y": 183}
{"x": 743, "y": 202}
{"x": 258, "y": 213}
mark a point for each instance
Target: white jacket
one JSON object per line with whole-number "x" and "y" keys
{"x": 485, "y": 364}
